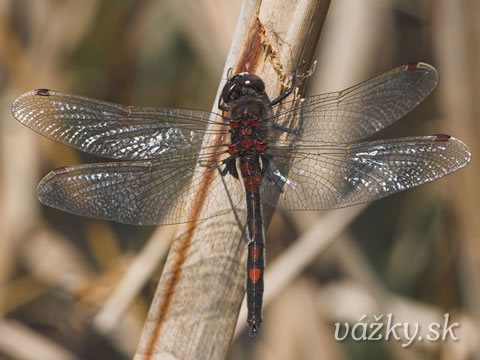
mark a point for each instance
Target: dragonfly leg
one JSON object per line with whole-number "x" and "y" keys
{"x": 287, "y": 92}
{"x": 291, "y": 130}
{"x": 230, "y": 167}
{"x": 221, "y": 106}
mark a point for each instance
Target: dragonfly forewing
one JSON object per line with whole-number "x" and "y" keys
{"x": 111, "y": 130}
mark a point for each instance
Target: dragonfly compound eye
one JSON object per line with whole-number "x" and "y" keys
{"x": 253, "y": 82}
{"x": 242, "y": 84}
{"x": 230, "y": 92}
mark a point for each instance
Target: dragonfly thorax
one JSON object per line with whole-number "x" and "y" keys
{"x": 247, "y": 134}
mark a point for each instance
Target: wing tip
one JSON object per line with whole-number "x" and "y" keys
{"x": 461, "y": 146}
{"x": 18, "y": 104}
{"x": 465, "y": 149}
{"x": 44, "y": 185}
{"x": 425, "y": 68}
{"x": 22, "y": 102}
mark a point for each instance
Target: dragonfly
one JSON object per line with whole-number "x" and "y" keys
{"x": 293, "y": 154}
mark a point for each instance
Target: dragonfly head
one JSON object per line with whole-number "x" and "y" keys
{"x": 242, "y": 84}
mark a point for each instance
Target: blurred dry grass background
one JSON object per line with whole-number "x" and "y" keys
{"x": 76, "y": 288}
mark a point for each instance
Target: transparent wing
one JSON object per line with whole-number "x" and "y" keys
{"x": 342, "y": 175}
{"x": 137, "y": 192}
{"x": 361, "y": 110}
{"x": 112, "y": 130}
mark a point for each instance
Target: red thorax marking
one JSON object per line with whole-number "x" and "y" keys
{"x": 246, "y": 131}
{"x": 247, "y": 143}
{"x": 233, "y": 149}
{"x": 260, "y": 145}
{"x": 235, "y": 123}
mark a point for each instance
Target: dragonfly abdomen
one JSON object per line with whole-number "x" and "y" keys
{"x": 255, "y": 261}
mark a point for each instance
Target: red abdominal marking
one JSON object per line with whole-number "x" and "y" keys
{"x": 252, "y": 203}
{"x": 247, "y": 169}
{"x": 255, "y": 251}
{"x": 254, "y": 229}
{"x": 254, "y": 275}
{"x": 252, "y": 182}
{"x": 442, "y": 137}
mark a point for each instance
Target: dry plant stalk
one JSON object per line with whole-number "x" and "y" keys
{"x": 195, "y": 308}
{"x": 457, "y": 52}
